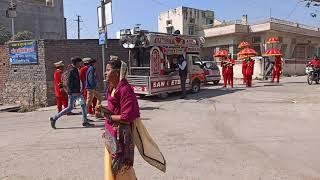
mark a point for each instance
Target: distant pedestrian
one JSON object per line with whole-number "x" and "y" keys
{"x": 61, "y": 95}
{"x": 73, "y": 86}
{"x": 183, "y": 73}
{"x": 92, "y": 84}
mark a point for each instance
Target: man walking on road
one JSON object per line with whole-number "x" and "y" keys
{"x": 61, "y": 95}
{"x": 73, "y": 87}
{"x": 83, "y": 77}
{"x": 183, "y": 73}
{"x": 92, "y": 83}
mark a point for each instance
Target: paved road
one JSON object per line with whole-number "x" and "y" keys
{"x": 263, "y": 133}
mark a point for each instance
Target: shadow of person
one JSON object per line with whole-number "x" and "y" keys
{"x": 95, "y": 126}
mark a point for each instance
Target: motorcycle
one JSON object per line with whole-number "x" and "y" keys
{"x": 312, "y": 75}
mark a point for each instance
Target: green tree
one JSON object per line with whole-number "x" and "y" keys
{"x": 4, "y": 35}
{"x": 24, "y": 35}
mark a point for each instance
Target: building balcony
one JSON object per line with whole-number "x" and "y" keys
{"x": 226, "y": 29}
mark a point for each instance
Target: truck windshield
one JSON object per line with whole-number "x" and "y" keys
{"x": 140, "y": 57}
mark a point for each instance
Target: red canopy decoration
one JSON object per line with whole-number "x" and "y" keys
{"x": 221, "y": 53}
{"x": 247, "y": 51}
{"x": 273, "y": 40}
{"x": 242, "y": 57}
{"x": 272, "y": 52}
{"x": 243, "y": 44}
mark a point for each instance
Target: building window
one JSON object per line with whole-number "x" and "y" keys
{"x": 203, "y": 14}
{"x": 192, "y": 20}
{"x": 299, "y": 52}
{"x": 294, "y": 41}
{"x": 280, "y": 39}
{"x": 257, "y": 49}
{"x": 284, "y": 49}
{"x": 49, "y": 3}
{"x": 169, "y": 22}
{"x": 209, "y": 21}
{"x": 170, "y": 30}
{"x": 256, "y": 39}
{"x": 191, "y": 30}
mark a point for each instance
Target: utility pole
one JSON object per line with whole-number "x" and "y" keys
{"x": 12, "y": 13}
{"x": 104, "y": 28}
{"x": 78, "y": 21}
{"x": 103, "y": 16}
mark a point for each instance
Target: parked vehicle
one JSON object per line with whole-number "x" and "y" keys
{"x": 312, "y": 75}
{"x": 211, "y": 71}
{"x": 153, "y": 62}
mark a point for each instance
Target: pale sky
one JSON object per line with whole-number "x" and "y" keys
{"x": 127, "y": 13}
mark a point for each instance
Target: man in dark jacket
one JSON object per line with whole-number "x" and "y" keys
{"x": 183, "y": 73}
{"x": 74, "y": 93}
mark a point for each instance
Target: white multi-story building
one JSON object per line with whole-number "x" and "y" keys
{"x": 188, "y": 21}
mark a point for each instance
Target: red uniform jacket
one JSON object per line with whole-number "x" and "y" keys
{"x": 244, "y": 66}
{"x": 231, "y": 63}
{"x": 59, "y": 92}
{"x": 277, "y": 64}
{"x": 250, "y": 67}
{"x": 315, "y": 63}
{"x": 83, "y": 72}
{"x": 224, "y": 68}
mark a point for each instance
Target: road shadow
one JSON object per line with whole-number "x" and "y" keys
{"x": 204, "y": 93}
{"x": 145, "y": 119}
{"x": 211, "y": 93}
{"x": 149, "y": 108}
{"x": 93, "y": 127}
{"x": 300, "y": 82}
{"x": 272, "y": 85}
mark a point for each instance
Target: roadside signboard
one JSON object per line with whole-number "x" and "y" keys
{"x": 108, "y": 15}
{"x": 23, "y": 52}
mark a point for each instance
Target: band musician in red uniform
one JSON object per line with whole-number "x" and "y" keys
{"x": 61, "y": 95}
{"x": 224, "y": 71}
{"x": 229, "y": 70}
{"x": 249, "y": 71}
{"x": 277, "y": 69}
{"x": 244, "y": 66}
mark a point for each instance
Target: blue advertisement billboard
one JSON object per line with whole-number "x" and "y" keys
{"x": 23, "y": 52}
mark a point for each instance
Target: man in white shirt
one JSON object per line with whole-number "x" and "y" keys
{"x": 183, "y": 73}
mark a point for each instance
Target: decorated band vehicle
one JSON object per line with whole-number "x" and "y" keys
{"x": 154, "y": 58}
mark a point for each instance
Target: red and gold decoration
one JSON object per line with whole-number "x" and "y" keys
{"x": 273, "y": 40}
{"x": 221, "y": 53}
{"x": 272, "y": 52}
{"x": 246, "y": 53}
{"x": 243, "y": 44}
